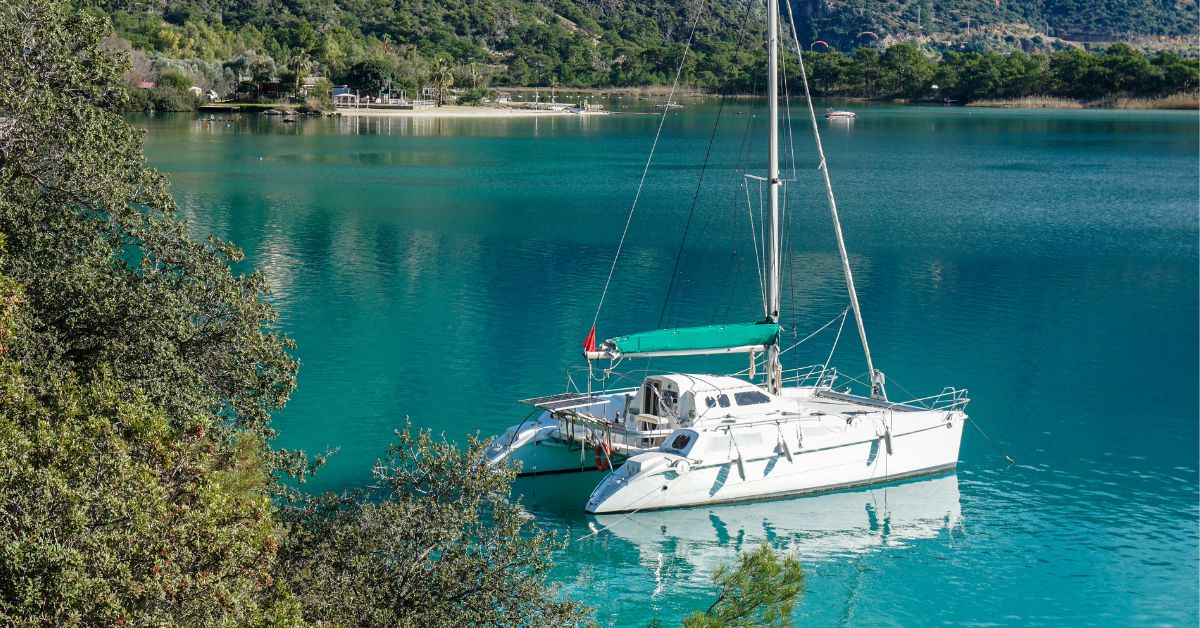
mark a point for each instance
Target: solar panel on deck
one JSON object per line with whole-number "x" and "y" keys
{"x": 564, "y": 401}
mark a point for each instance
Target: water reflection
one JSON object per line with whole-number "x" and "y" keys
{"x": 815, "y": 528}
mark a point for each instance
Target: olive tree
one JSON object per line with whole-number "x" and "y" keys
{"x": 111, "y": 278}
{"x": 435, "y": 541}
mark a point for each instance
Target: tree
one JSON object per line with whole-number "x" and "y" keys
{"x": 1129, "y": 71}
{"x": 760, "y": 591}
{"x": 111, "y": 279}
{"x": 906, "y": 71}
{"x": 1074, "y": 73}
{"x": 117, "y": 513}
{"x": 173, "y": 80}
{"x": 138, "y": 373}
{"x": 372, "y": 76}
{"x": 435, "y": 541}
{"x": 867, "y": 71}
{"x": 441, "y": 74}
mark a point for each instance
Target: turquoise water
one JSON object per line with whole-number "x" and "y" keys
{"x": 1047, "y": 261}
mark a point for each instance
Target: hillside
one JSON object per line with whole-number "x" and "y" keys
{"x": 587, "y": 43}
{"x": 1001, "y": 23}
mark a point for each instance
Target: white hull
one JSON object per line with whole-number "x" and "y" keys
{"x": 539, "y": 449}
{"x": 928, "y": 444}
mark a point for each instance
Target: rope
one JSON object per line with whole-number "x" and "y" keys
{"x": 992, "y": 442}
{"x": 649, "y": 159}
{"x": 754, "y": 237}
{"x": 836, "y": 338}
{"x": 810, "y": 337}
{"x": 627, "y": 515}
{"x": 819, "y": 330}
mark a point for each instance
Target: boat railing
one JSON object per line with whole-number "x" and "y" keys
{"x": 613, "y": 432}
{"x": 949, "y": 399}
{"x": 814, "y": 375}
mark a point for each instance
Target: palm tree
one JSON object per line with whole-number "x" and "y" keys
{"x": 441, "y": 74}
{"x": 475, "y": 74}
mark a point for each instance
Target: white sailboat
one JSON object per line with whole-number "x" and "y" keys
{"x": 686, "y": 439}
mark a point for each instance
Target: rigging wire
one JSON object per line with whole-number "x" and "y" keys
{"x": 646, "y": 170}
{"x": 700, "y": 182}
{"x": 737, "y": 233}
{"x": 877, "y": 388}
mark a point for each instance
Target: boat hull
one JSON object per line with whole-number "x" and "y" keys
{"x": 538, "y": 448}
{"x": 660, "y": 480}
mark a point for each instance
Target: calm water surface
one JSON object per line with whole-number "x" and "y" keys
{"x": 1047, "y": 261}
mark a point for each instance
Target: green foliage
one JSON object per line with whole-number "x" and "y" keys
{"x": 434, "y": 542}
{"x": 171, "y": 99}
{"x": 475, "y": 96}
{"x": 173, "y": 80}
{"x": 111, "y": 279}
{"x": 904, "y": 71}
{"x": 371, "y": 76}
{"x": 761, "y": 591}
{"x": 116, "y": 513}
{"x": 441, "y": 77}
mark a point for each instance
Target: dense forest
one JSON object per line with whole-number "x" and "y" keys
{"x": 903, "y": 71}
{"x": 221, "y": 44}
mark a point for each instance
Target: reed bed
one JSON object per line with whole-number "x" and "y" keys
{"x": 1029, "y": 102}
{"x": 1182, "y": 100}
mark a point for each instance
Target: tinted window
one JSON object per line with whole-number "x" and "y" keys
{"x": 723, "y": 400}
{"x": 710, "y": 402}
{"x": 750, "y": 398}
{"x": 681, "y": 442}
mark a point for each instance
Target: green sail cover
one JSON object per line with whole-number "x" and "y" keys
{"x": 696, "y": 340}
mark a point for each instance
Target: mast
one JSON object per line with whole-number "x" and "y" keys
{"x": 774, "y": 369}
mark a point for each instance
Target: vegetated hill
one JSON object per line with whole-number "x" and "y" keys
{"x": 998, "y": 23}
{"x": 530, "y": 42}
{"x": 587, "y": 43}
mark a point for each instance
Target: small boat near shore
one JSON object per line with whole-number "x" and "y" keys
{"x": 837, "y": 114}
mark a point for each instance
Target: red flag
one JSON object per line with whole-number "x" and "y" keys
{"x": 589, "y": 344}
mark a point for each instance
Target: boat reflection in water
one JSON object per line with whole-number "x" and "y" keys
{"x": 816, "y": 527}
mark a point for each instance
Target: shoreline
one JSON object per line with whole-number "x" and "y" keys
{"x": 461, "y": 111}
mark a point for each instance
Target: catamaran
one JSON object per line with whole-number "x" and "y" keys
{"x": 688, "y": 439}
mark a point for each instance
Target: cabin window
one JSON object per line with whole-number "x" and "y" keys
{"x": 681, "y": 442}
{"x": 710, "y": 402}
{"x": 723, "y": 400}
{"x": 751, "y": 397}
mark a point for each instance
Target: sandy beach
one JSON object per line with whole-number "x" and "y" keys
{"x": 458, "y": 111}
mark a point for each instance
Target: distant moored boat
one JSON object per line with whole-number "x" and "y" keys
{"x": 833, "y": 114}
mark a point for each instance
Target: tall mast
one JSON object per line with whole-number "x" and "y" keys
{"x": 774, "y": 370}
